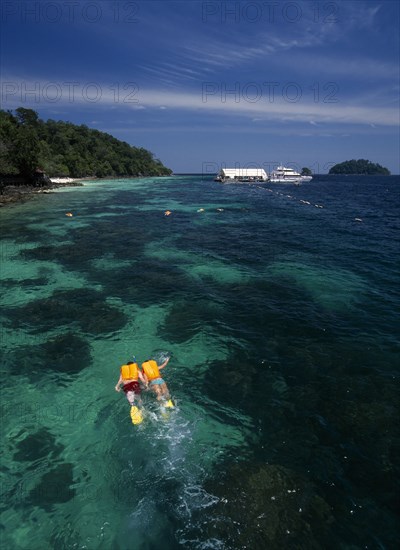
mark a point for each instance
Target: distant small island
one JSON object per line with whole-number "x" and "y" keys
{"x": 359, "y": 167}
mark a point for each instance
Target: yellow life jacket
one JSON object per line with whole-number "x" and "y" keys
{"x": 129, "y": 372}
{"x": 151, "y": 370}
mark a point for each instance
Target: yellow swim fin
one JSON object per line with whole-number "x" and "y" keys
{"x": 136, "y": 415}
{"x": 169, "y": 404}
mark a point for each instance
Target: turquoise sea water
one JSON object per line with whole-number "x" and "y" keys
{"x": 279, "y": 305}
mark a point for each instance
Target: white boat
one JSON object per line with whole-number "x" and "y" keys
{"x": 243, "y": 175}
{"x": 287, "y": 175}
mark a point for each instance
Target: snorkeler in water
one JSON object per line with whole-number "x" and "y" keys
{"x": 151, "y": 374}
{"x": 130, "y": 374}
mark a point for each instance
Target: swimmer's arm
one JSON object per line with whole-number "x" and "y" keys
{"x": 143, "y": 378}
{"x": 117, "y": 388}
{"x": 164, "y": 364}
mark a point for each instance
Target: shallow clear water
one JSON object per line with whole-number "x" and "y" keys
{"x": 279, "y": 305}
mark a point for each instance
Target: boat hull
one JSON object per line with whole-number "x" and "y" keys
{"x": 296, "y": 181}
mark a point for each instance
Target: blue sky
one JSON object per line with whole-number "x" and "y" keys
{"x": 210, "y": 84}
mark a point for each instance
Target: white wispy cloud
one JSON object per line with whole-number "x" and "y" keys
{"x": 218, "y": 54}
{"x": 206, "y": 101}
{"x": 244, "y": 47}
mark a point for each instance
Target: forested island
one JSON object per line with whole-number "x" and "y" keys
{"x": 360, "y": 167}
{"x": 31, "y": 147}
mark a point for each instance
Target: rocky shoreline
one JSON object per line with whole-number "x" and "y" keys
{"x": 15, "y": 192}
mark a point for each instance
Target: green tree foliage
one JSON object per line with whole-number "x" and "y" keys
{"x": 360, "y": 166}
{"x": 8, "y": 126}
{"x": 306, "y": 172}
{"x": 64, "y": 149}
{"x": 26, "y": 150}
{"x": 27, "y": 117}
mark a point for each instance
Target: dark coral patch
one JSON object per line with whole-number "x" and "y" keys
{"x": 25, "y": 283}
{"x": 70, "y": 255}
{"x": 54, "y": 487}
{"x": 145, "y": 284}
{"x": 93, "y": 242}
{"x": 122, "y": 239}
{"x": 265, "y": 506}
{"x": 44, "y": 314}
{"x": 65, "y": 353}
{"x": 233, "y": 381}
{"x": 186, "y": 318}
{"x": 38, "y": 445}
{"x": 182, "y": 323}
{"x": 79, "y": 308}
{"x": 102, "y": 319}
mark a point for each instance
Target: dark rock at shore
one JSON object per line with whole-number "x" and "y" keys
{"x": 37, "y": 179}
{"x": 18, "y": 189}
{"x": 16, "y": 193}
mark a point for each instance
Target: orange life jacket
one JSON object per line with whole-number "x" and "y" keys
{"x": 129, "y": 372}
{"x": 150, "y": 369}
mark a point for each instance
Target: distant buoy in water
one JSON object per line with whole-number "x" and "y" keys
{"x": 69, "y": 214}
{"x": 167, "y": 212}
